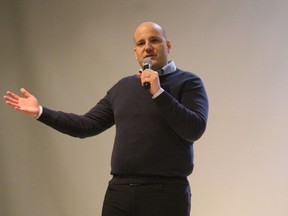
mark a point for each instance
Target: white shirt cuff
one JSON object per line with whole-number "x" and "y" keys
{"x": 160, "y": 91}
{"x": 40, "y": 112}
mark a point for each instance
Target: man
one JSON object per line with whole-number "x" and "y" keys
{"x": 155, "y": 130}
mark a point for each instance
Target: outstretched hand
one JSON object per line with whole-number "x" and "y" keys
{"x": 27, "y": 104}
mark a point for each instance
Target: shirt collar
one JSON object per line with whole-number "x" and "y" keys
{"x": 167, "y": 69}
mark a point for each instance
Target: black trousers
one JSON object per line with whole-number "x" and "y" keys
{"x": 147, "y": 200}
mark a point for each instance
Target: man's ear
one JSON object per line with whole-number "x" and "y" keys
{"x": 169, "y": 45}
{"x": 134, "y": 50}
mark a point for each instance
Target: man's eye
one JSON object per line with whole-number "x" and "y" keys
{"x": 154, "y": 41}
{"x": 140, "y": 43}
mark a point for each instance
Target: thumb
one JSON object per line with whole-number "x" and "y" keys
{"x": 25, "y": 92}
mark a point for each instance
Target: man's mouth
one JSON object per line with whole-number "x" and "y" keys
{"x": 149, "y": 56}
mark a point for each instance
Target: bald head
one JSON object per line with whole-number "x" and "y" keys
{"x": 150, "y": 41}
{"x": 150, "y": 26}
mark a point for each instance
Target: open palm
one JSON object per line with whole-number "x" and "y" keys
{"x": 27, "y": 104}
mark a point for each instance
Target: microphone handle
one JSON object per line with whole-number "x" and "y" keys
{"x": 147, "y": 84}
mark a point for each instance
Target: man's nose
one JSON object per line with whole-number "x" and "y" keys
{"x": 148, "y": 47}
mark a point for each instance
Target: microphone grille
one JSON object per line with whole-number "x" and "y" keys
{"x": 147, "y": 61}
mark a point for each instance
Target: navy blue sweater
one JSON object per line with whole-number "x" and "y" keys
{"x": 154, "y": 137}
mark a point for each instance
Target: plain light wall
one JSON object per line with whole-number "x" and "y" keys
{"x": 69, "y": 53}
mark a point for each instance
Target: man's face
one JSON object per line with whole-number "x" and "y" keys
{"x": 150, "y": 42}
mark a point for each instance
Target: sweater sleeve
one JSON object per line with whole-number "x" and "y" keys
{"x": 188, "y": 114}
{"x": 95, "y": 121}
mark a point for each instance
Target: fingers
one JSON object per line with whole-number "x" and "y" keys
{"x": 14, "y": 98}
{"x": 151, "y": 77}
{"x": 148, "y": 75}
{"x": 11, "y": 95}
{"x": 15, "y": 105}
{"x": 11, "y": 99}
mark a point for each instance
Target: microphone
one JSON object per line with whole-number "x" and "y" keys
{"x": 147, "y": 64}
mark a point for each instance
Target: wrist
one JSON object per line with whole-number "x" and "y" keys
{"x": 39, "y": 113}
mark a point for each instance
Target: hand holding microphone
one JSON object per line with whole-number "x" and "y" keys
{"x": 150, "y": 78}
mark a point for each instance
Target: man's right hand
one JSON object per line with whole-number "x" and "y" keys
{"x": 27, "y": 104}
